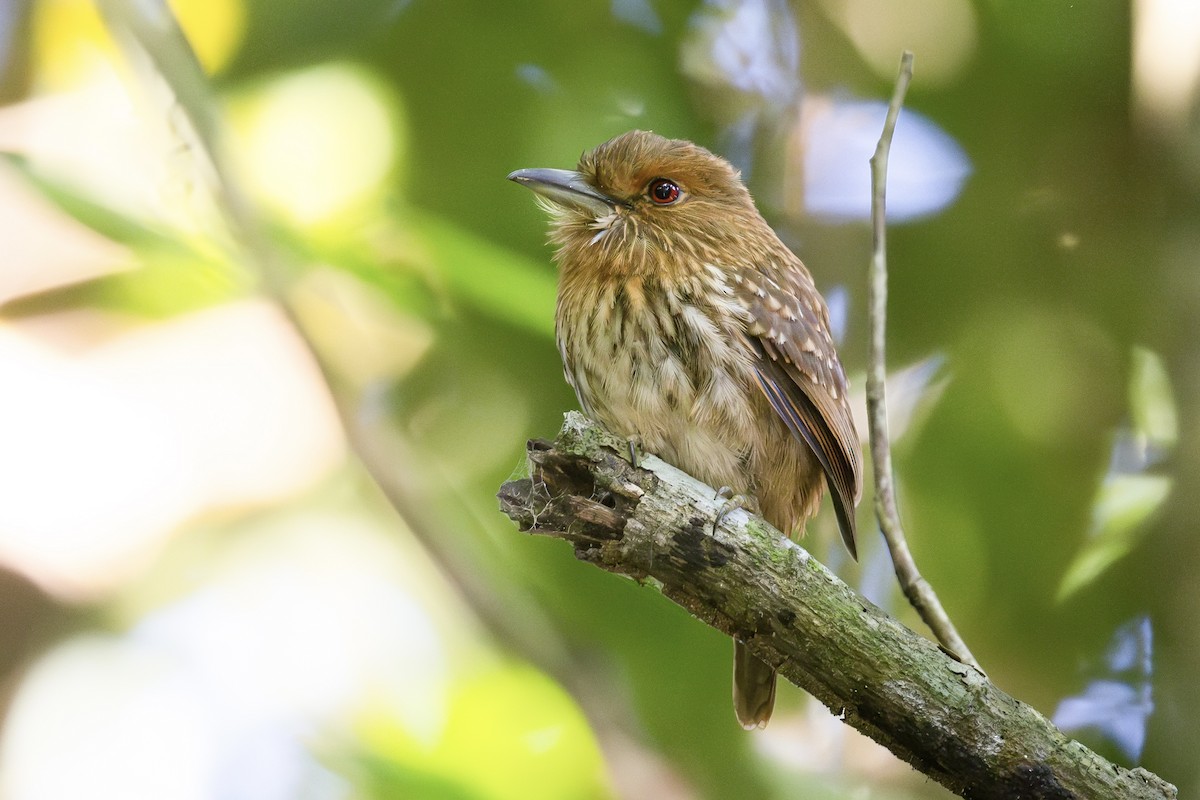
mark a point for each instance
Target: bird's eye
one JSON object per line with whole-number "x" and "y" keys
{"x": 664, "y": 192}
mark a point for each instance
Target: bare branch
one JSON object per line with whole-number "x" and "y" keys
{"x": 916, "y": 588}
{"x": 945, "y": 718}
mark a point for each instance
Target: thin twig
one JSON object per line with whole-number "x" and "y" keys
{"x": 916, "y": 588}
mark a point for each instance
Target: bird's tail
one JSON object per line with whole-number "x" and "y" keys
{"x": 753, "y": 688}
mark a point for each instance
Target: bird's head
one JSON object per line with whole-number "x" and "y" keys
{"x": 641, "y": 193}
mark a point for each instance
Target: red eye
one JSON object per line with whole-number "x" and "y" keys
{"x": 664, "y": 192}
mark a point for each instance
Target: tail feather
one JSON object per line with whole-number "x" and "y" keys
{"x": 753, "y": 688}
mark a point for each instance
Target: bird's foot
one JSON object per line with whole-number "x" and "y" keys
{"x": 635, "y": 446}
{"x": 733, "y": 501}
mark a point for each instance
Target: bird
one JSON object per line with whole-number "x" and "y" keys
{"x": 687, "y": 326}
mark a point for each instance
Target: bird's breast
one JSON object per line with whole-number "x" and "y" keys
{"x": 669, "y": 364}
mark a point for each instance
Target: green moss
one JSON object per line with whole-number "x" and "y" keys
{"x": 759, "y": 530}
{"x": 582, "y": 437}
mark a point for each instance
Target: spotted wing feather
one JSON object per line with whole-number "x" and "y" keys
{"x": 799, "y": 372}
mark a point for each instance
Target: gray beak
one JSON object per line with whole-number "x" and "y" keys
{"x": 566, "y": 188}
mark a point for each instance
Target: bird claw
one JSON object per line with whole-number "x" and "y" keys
{"x": 635, "y": 444}
{"x": 733, "y": 501}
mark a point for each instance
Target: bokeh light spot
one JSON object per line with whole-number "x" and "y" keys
{"x": 71, "y": 41}
{"x": 317, "y": 143}
{"x": 528, "y": 737}
{"x": 511, "y": 733}
{"x": 834, "y": 139}
{"x": 941, "y": 32}
{"x": 1057, "y": 355}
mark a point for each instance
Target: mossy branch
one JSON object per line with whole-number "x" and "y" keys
{"x": 654, "y": 523}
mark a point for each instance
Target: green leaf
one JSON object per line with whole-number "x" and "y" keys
{"x": 1151, "y": 401}
{"x": 1123, "y": 505}
{"x": 160, "y": 288}
{"x": 175, "y": 273}
{"x": 491, "y": 278}
{"x": 94, "y": 214}
{"x": 508, "y": 733}
{"x": 1128, "y": 495}
{"x": 389, "y": 267}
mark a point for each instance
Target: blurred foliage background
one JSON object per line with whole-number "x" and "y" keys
{"x": 206, "y": 284}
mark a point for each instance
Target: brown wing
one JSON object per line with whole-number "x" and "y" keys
{"x": 800, "y": 374}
